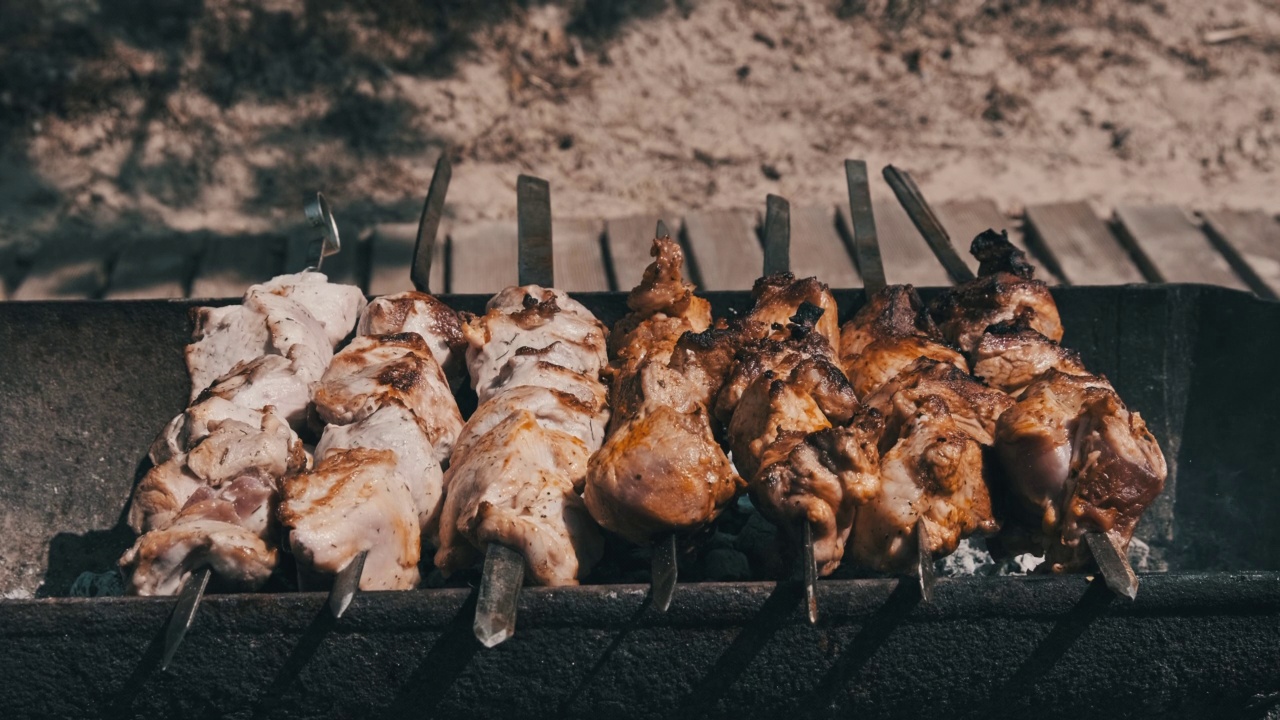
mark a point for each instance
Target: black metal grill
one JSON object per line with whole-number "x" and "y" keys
{"x": 84, "y": 387}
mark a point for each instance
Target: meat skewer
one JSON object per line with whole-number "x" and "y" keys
{"x": 206, "y": 505}
{"x": 534, "y": 358}
{"x": 871, "y": 267}
{"x": 393, "y": 420}
{"x": 1106, "y": 548}
{"x": 664, "y": 569}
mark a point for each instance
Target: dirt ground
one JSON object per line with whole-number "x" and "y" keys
{"x": 134, "y": 117}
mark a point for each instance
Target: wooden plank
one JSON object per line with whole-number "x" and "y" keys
{"x": 1077, "y": 246}
{"x": 817, "y": 249}
{"x": 483, "y": 257}
{"x": 390, "y": 258}
{"x": 1250, "y": 241}
{"x": 67, "y": 270}
{"x": 629, "y": 240}
{"x": 966, "y": 219}
{"x": 579, "y": 255}
{"x": 725, "y": 248}
{"x": 349, "y": 266}
{"x": 1169, "y": 248}
{"x": 906, "y": 256}
{"x": 156, "y": 267}
{"x": 231, "y": 264}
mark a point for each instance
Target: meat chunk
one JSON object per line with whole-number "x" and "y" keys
{"x": 416, "y": 312}
{"x": 335, "y": 306}
{"x": 932, "y": 471}
{"x": 515, "y": 486}
{"x": 515, "y": 472}
{"x": 895, "y": 311}
{"x": 972, "y": 405}
{"x": 395, "y": 429}
{"x": 376, "y": 370}
{"x": 1012, "y": 355}
{"x": 355, "y": 500}
{"x": 1005, "y": 289}
{"x": 1077, "y": 461}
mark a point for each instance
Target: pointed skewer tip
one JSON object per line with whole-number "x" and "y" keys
{"x": 495, "y": 620}
{"x": 184, "y": 613}
{"x": 1113, "y": 564}
{"x": 810, "y": 574}
{"x": 924, "y": 562}
{"x": 664, "y": 571}
{"x": 345, "y": 585}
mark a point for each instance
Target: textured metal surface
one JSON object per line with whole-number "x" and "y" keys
{"x": 866, "y": 248}
{"x": 927, "y": 223}
{"x": 1190, "y": 646}
{"x": 85, "y": 386}
{"x": 429, "y": 224}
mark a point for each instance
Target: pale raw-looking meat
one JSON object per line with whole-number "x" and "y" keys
{"x": 375, "y": 370}
{"x": 393, "y": 427}
{"x": 515, "y": 487}
{"x": 335, "y": 306}
{"x": 355, "y": 500}
{"x": 437, "y": 323}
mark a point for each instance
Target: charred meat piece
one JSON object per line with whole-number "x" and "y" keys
{"x": 514, "y": 473}
{"x": 376, "y": 370}
{"x": 973, "y": 406}
{"x": 887, "y": 335}
{"x": 1077, "y": 461}
{"x": 660, "y": 469}
{"x": 1005, "y": 289}
{"x": 417, "y": 312}
{"x": 1011, "y": 355}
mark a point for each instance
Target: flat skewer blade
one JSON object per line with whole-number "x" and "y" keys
{"x": 533, "y": 226}
{"x": 810, "y": 574}
{"x": 429, "y": 224}
{"x": 345, "y": 584}
{"x": 664, "y": 571}
{"x": 912, "y": 200}
{"x": 924, "y": 562}
{"x": 499, "y": 592}
{"x": 777, "y": 235}
{"x": 184, "y": 613}
{"x": 1113, "y": 564}
{"x": 662, "y": 231}
{"x": 319, "y": 215}
{"x": 866, "y": 247}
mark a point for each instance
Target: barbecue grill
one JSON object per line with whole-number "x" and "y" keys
{"x": 86, "y": 386}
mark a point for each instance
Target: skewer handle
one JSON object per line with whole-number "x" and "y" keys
{"x": 429, "y": 224}
{"x": 184, "y": 613}
{"x": 319, "y": 215}
{"x": 663, "y": 572}
{"x": 912, "y": 200}
{"x": 533, "y": 218}
{"x": 777, "y": 235}
{"x": 1113, "y": 564}
{"x": 866, "y": 247}
{"x": 499, "y": 591}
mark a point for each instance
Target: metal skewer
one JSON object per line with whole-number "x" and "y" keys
{"x": 664, "y": 567}
{"x": 1113, "y": 563}
{"x": 184, "y": 612}
{"x": 777, "y": 259}
{"x": 346, "y": 583}
{"x": 865, "y": 245}
{"x": 912, "y": 200}
{"x": 429, "y": 224}
{"x": 503, "y": 573}
{"x": 867, "y": 249}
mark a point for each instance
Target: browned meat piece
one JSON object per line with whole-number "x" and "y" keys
{"x": 932, "y": 471}
{"x": 355, "y": 500}
{"x": 660, "y": 469}
{"x": 535, "y": 359}
{"x": 887, "y": 335}
{"x": 416, "y": 312}
{"x": 882, "y": 361}
{"x": 376, "y": 370}
{"x": 1077, "y": 461}
{"x": 1005, "y": 289}
{"x": 1011, "y": 355}
{"x": 779, "y": 297}
{"x": 822, "y": 477}
{"x": 974, "y": 407}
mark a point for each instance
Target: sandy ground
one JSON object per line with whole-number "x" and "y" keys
{"x": 131, "y": 117}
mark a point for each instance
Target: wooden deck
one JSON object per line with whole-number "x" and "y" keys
{"x": 1069, "y": 242}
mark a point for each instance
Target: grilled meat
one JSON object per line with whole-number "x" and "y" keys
{"x": 888, "y": 334}
{"x": 1077, "y": 461}
{"x": 514, "y": 473}
{"x": 661, "y": 469}
{"x": 416, "y": 312}
{"x": 1011, "y": 355}
{"x": 1005, "y": 288}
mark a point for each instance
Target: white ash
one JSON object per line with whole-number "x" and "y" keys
{"x": 972, "y": 558}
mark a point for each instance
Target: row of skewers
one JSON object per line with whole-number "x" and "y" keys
{"x": 880, "y": 443}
